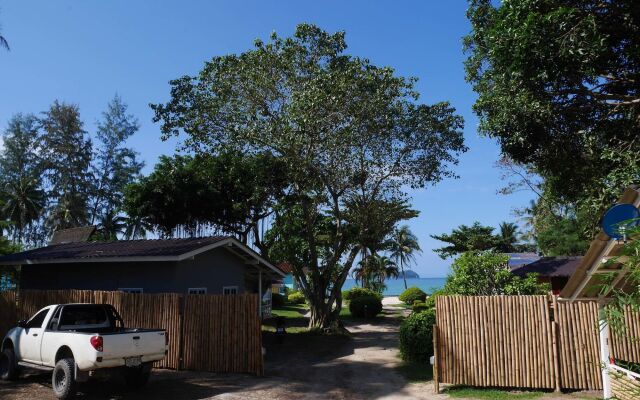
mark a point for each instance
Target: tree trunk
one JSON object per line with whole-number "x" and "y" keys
{"x": 403, "y": 275}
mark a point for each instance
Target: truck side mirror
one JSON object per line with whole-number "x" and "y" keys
{"x": 22, "y": 323}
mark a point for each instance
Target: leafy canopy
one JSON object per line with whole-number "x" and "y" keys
{"x": 487, "y": 274}
{"x": 229, "y": 191}
{"x": 346, "y": 131}
{"x": 558, "y": 86}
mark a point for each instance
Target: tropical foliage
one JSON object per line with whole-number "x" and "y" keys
{"x": 556, "y": 83}
{"x": 402, "y": 248}
{"x": 478, "y": 237}
{"x": 229, "y": 193}
{"x": 53, "y": 177}
{"x": 373, "y": 270}
{"x": 487, "y": 274}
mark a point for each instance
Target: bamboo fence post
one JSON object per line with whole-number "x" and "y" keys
{"x": 436, "y": 379}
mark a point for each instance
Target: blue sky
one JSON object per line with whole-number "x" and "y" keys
{"x": 84, "y": 52}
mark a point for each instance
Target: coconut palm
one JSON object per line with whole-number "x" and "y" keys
{"x": 136, "y": 228}
{"x": 23, "y": 203}
{"x": 403, "y": 246}
{"x": 508, "y": 237}
{"x": 111, "y": 225}
{"x": 373, "y": 270}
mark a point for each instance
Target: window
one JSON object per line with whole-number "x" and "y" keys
{"x": 53, "y": 323}
{"x": 84, "y": 316}
{"x": 38, "y": 319}
{"x": 229, "y": 290}
{"x": 131, "y": 290}
{"x": 197, "y": 290}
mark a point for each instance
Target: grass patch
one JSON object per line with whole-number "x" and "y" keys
{"x": 295, "y": 321}
{"x": 464, "y": 392}
{"x": 415, "y": 372}
{"x": 290, "y": 311}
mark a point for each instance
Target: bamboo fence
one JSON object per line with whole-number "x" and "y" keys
{"x": 625, "y": 342}
{"x": 497, "y": 341}
{"x": 206, "y": 332}
{"x": 579, "y": 345}
{"x": 517, "y": 341}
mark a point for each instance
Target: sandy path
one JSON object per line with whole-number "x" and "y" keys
{"x": 358, "y": 368}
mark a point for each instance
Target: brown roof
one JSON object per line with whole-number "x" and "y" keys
{"x": 550, "y": 267}
{"x": 285, "y": 267}
{"x": 71, "y": 235}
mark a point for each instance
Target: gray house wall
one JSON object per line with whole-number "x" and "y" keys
{"x": 213, "y": 270}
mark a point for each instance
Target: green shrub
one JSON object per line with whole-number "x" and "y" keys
{"x": 365, "y": 306}
{"x": 277, "y": 300}
{"x": 412, "y": 294}
{"x": 431, "y": 300}
{"x": 356, "y": 292}
{"x": 416, "y": 336}
{"x": 419, "y": 306}
{"x": 296, "y": 298}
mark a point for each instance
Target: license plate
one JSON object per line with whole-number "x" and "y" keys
{"x": 133, "y": 361}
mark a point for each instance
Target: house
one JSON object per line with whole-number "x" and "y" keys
{"x": 207, "y": 265}
{"x": 553, "y": 270}
{"x": 288, "y": 282}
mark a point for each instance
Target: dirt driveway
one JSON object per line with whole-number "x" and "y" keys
{"x": 303, "y": 367}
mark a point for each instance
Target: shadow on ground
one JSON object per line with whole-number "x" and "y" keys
{"x": 303, "y": 366}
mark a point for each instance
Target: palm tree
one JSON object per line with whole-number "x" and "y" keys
{"x": 136, "y": 228}
{"x": 508, "y": 236}
{"x": 403, "y": 246}
{"x": 23, "y": 203}
{"x": 373, "y": 270}
{"x": 111, "y": 225}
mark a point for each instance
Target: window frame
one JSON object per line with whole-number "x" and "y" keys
{"x": 197, "y": 290}
{"x": 225, "y": 288}
{"x": 45, "y": 312}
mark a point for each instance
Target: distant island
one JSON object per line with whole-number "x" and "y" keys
{"x": 409, "y": 275}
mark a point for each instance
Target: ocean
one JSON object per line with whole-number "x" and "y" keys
{"x": 396, "y": 286}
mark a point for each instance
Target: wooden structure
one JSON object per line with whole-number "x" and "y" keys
{"x": 602, "y": 271}
{"x": 214, "y": 333}
{"x": 524, "y": 341}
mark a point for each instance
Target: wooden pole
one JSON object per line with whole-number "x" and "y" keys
{"x": 604, "y": 354}
{"x": 556, "y": 361}
{"x": 436, "y": 383}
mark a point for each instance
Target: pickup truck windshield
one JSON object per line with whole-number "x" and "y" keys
{"x": 85, "y": 317}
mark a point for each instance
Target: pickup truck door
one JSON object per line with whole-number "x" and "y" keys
{"x": 31, "y": 337}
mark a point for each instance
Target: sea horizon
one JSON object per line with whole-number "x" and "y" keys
{"x": 396, "y": 286}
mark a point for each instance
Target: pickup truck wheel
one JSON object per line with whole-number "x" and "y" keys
{"x": 136, "y": 378}
{"x": 8, "y": 365}
{"x": 63, "y": 379}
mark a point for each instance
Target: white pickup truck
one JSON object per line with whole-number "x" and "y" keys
{"x": 76, "y": 341}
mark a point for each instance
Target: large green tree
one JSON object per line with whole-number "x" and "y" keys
{"x": 21, "y": 183}
{"x": 558, "y": 86}
{"x": 476, "y": 237}
{"x": 228, "y": 192}
{"x": 67, "y": 153}
{"x": 343, "y": 127}
{"x": 114, "y": 165}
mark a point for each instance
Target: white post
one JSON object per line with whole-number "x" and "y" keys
{"x": 604, "y": 355}
{"x": 260, "y": 293}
